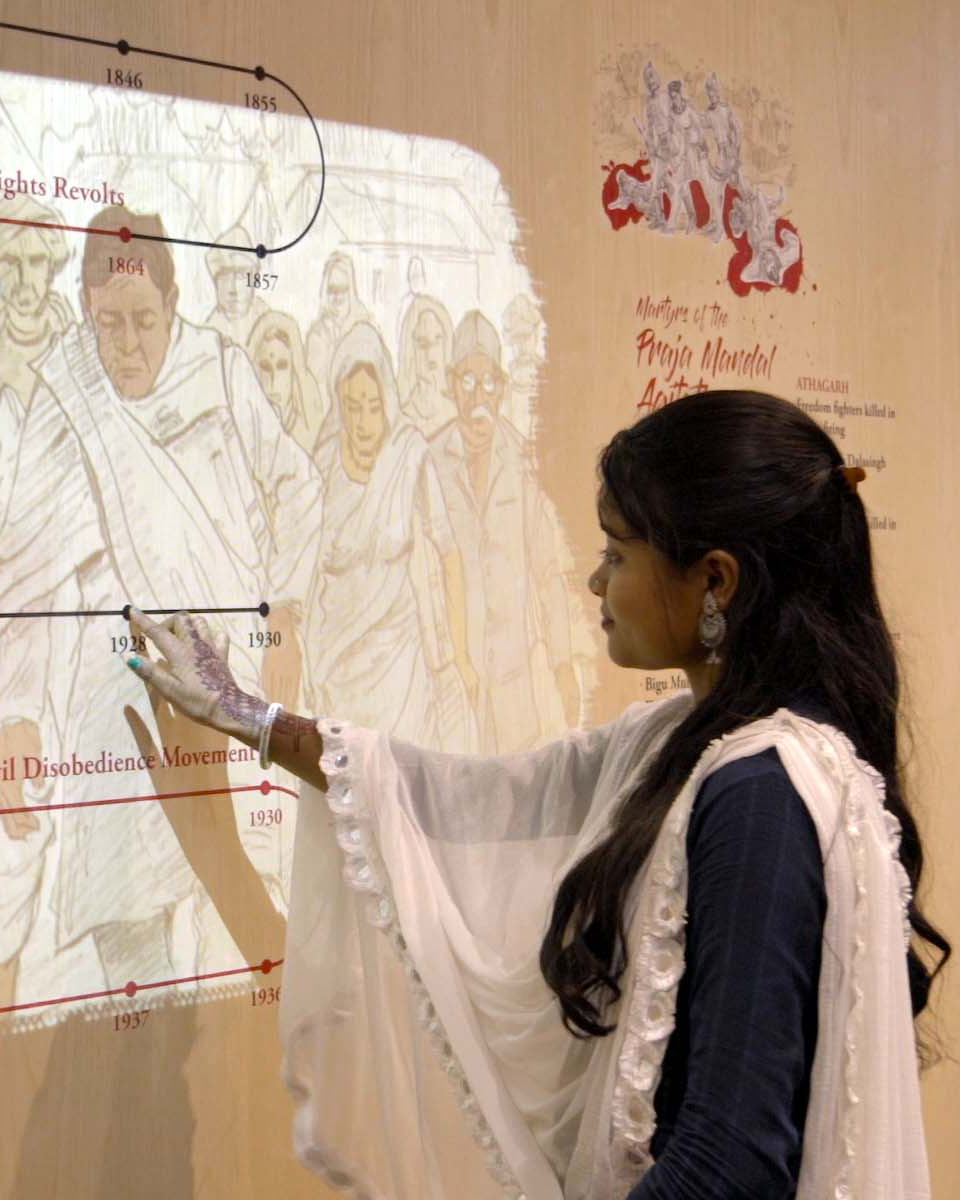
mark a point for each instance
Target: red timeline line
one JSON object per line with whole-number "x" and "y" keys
{"x": 132, "y": 989}
{"x": 123, "y": 234}
{"x": 265, "y": 788}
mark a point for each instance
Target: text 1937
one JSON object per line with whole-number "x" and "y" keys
{"x": 130, "y": 1020}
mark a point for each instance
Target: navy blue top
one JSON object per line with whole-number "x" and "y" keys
{"x": 733, "y": 1095}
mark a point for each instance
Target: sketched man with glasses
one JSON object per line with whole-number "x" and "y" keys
{"x": 518, "y": 613}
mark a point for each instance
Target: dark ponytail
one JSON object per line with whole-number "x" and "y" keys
{"x": 753, "y": 475}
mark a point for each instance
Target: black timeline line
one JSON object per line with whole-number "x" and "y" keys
{"x": 124, "y": 48}
{"x": 263, "y": 609}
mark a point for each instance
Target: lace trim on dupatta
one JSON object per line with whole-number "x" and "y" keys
{"x": 659, "y": 954}
{"x": 364, "y": 872}
{"x": 853, "y": 807}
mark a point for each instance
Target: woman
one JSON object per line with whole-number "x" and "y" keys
{"x": 340, "y": 309}
{"x": 276, "y": 351}
{"x": 363, "y": 638}
{"x": 663, "y": 958}
{"x": 426, "y": 347}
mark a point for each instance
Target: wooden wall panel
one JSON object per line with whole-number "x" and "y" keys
{"x": 868, "y": 98}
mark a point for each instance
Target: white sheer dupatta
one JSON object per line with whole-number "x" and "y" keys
{"x": 425, "y": 1051}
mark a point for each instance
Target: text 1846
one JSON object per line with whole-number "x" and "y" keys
{"x": 124, "y": 78}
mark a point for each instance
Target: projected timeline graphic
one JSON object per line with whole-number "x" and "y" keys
{"x": 178, "y": 281}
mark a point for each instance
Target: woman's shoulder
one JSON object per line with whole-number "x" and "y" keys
{"x": 757, "y": 784}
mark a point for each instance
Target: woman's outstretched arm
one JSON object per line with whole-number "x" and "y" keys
{"x": 194, "y": 676}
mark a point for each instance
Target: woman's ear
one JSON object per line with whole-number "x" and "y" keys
{"x": 723, "y": 575}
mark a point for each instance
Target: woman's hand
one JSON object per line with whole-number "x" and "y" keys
{"x": 193, "y": 674}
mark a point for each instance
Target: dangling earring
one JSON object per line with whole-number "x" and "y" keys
{"x": 712, "y": 626}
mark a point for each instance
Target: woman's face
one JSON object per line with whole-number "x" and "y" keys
{"x": 275, "y": 372}
{"x": 338, "y": 293}
{"x": 649, "y": 609}
{"x": 428, "y": 347}
{"x": 363, "y": 417}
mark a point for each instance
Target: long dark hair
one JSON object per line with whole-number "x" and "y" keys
{"x": 753, "y": 475}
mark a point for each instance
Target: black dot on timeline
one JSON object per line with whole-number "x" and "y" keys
{"x": 261, "y": 251}
{"x": 264, "y": 608}
{"x": 260, "y": 73}
{"x": 123, "y": 46}
{"x": 126, "y": 612}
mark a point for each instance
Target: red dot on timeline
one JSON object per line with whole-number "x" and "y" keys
{"x": 266, "y": 787}
{"x": 131, "y": 988}
{"x": 266, "y": 966}
{"x": 125, "y": 234}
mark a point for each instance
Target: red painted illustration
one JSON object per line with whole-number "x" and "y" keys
{"x": 690, "y": 178}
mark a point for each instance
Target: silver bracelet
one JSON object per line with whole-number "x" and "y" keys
{"x": 265, "y": 730}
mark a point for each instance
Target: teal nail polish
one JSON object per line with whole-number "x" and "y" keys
{"x": 134, "y": 663}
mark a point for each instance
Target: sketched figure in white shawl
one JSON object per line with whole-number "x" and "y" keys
{"x": 32, "y": 312}
{"x": 367, "y": 656}
{"x": 340, "y": 309}
{"x": 138, "y": 412}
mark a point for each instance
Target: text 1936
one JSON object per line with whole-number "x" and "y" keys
{"x": 265, "y": 995}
